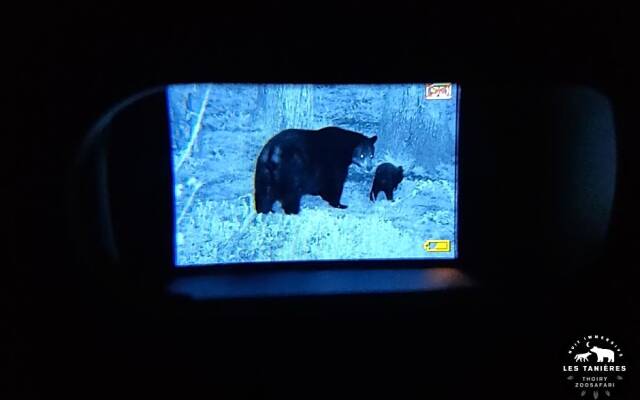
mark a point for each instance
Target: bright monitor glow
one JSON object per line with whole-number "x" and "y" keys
{"x": 280, "y": 173}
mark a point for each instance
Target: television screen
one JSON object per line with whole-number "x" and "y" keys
{"x": 307, "y": 172}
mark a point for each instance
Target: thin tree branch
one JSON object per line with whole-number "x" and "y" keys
{"x": 195, "y": 130}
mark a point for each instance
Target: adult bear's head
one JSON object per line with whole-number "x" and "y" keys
{"x": 364, "y": 152}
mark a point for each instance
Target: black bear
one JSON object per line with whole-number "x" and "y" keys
{"x": 387, "y": 179}
{"x": 296, "y": 162}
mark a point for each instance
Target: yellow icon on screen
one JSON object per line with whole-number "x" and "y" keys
{"x": 437, "y": 246}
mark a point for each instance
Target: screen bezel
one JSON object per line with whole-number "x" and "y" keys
{"x": 337, "y": 264}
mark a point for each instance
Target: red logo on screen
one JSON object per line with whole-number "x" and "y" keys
{"x": 438, "y": 91}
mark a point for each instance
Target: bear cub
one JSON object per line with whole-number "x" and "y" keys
{"x": 386, "y": 180}
{"x": 298, "y": 162}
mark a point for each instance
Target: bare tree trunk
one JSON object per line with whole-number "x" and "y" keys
{"x": 286, "y": 106}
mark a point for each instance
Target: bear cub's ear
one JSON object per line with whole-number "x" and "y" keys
{"x": 373, "y": 139}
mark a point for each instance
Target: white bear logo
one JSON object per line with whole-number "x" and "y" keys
{"x": 603, "y": 353}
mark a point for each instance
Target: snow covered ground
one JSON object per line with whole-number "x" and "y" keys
{"x": 219, "y": 130}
